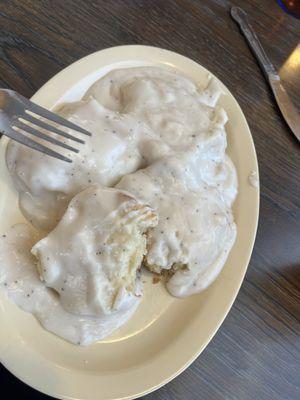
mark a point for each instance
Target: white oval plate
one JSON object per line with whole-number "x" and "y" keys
{"x": 166, "y": 334}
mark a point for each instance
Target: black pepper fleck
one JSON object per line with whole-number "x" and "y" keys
{"x": 4, "y": 236}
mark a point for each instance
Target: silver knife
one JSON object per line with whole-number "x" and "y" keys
{"x": 285, "y": 105}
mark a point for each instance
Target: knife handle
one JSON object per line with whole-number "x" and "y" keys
{"x": 240, "y": 17}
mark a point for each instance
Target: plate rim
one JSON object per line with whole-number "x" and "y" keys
{"x": 50, "y": 84}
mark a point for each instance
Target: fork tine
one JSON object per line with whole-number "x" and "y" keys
{"x": 42, "y": 124}
{"x": 37, "y": 133}
{"x": 32, "y": 107}
{"x": 19, "y": 137}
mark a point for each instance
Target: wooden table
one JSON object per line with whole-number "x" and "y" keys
{"x": 254, "y": 355}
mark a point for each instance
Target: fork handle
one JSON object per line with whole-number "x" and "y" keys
{"x": 240, "y": 17}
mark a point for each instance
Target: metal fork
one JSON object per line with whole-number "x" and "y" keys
{"x": 16, "y": 112}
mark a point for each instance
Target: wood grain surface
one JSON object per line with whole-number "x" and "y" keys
{"x": 255, "y": 354}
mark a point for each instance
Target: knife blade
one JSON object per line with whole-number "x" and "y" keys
{"x": 284, "y": 103}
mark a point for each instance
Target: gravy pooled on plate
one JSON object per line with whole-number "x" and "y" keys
{"x": 83, "y": 282}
